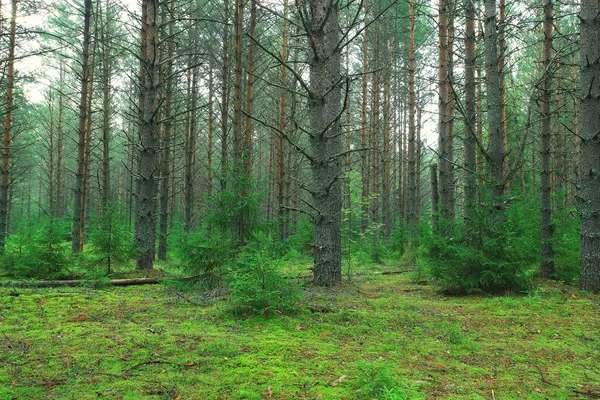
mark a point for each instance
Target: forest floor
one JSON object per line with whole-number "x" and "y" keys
{"x": 378, "y": 336}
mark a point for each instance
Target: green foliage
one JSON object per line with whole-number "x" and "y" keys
{"x": 488, "y": 263}
{"x": 110, "y": 239}
{"x": 376, "y": 381}
{"x": 204, "y": 257}
{"x": 37, "y": 252}
{"x": 257, "y": 288}
{"x": 566, "y": 245}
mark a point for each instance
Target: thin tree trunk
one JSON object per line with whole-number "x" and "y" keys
{"x": 165, "y": 175}
{"x": 224, "y": 97}
{"x": 385, "y": 203}
{"x": 546, "y": 226}
{"x": 6, "y": 135}
{"x": 435, "y": 198}
{"x": 470, "y": 141}
{"x": 59, "y": 145}
{"x": 364, "y": 200}
{"x": 83, "y": 113}
{"x": 106, "y": 83}
{"x": 496, "y": 151}
{"x": 279, "y": 151}
{"x": 589, "y": 192}
{"x": 411, "y": 219}
{"x": 190, "y": 150}
{"x": 145, "y": 217}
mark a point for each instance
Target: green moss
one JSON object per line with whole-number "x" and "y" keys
{"x": 146, "y": 342}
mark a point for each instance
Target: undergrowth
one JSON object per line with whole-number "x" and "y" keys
{"x": 381, "y": 337}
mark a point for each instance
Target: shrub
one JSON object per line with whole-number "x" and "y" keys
{"x": 495, "y": 263}
{"x": 256, "y": 288}
{"x": 37, "y": 254}
{"x": 204, "y": 257}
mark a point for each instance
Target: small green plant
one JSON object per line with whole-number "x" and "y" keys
{"x": 377, "y": 382}
{"x": 204, "y": 257}
{"x": 37, "y": 254}
{"x": 110, "y": 239}
{"x": 257, "y": 288}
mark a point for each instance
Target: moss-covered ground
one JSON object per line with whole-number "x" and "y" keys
{"x": 379, "y": 336}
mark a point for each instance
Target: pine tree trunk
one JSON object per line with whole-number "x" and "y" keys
{"x": 165, "y": 166}
{"x": 325, "y": 139}
{"x": 59, "y": 146}
{"x": 496, "y": 151}
{"x": 364, "y": 199}
{"x": 589, "y": 192}
{"x": 225, "y": 98}
{"x": 470, "y": 142}
{"x": 6, "y": 135}
{"x": 546, "y": 226}
{"x": 145, "y": 217}
{"x": 190, "y": 151}
{"x": 411, "y": 219}
{"x": 106, "y": 83}
{"x": 78, "y": 206}
{"x": 281, "y": 175}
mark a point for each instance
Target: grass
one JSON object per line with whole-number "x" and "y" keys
{"x": 380, "y": 336}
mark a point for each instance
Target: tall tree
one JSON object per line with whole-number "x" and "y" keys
{"x": 589, "y": 191}
{"x": 411, "y": 217}
{"x": 145, "y": 216}
{"x": 320, "y": 19}
{"x": 6, "y": 135}
{"x": 470, "y": 139}
{"x": 78, "y": 205}
{"x": 495, "y": 151}
{"x": 546, "y": 226}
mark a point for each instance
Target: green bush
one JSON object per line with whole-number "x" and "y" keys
{"x": 110, "y": 240}
{"x": 376, "y": 381}
{"x": 495, "y": 263}
{"x": 204, "y": 257}
{"x": 37, "y": 254}
{"x": 257, "y": 288}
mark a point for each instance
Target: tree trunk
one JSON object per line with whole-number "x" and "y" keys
{"x": 546, "y": 226}
{"x": 165, "y": 175}
{"x": 589, "y": 192}
{"x": 496, "y": 151}
{"x": 326, "y": 144}
{"x": 444, "y": 142}
{"x": 190, "y": 150}
{"x": 364, "y": 199}
{"x": 106, "y": 83}
{"x": 224, "y": 97}
{"x": 59, "y": 145}
{"x": 78, "y": 206}
{"x": 435, "y": 199}
{"x": 470, "y": 142}
{"x": 411, "y": 219}
{"x": 6, "y": 135}
{"x": 282, "y": 125}
{"x": 145, "y": 218}
{"x": 387, "y": 97}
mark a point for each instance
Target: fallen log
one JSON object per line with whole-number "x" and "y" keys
{"x": 75, "y": 283}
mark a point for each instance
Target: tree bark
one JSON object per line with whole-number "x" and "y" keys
{"x": 470, "y": 141}
{"x": 326, "y": 144}
{"x": 145, "y": 217}
{"x": 589, "y": 191}
{"x": 165, "y": 174}
{"x": 281, "y": 176}
{"x": 83, "y": 112}
{"x": 411, "y": 217}
{"x": 496, "y": 151}
{"x": 546, "y": 226}
{"x": 6, "y": 135}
